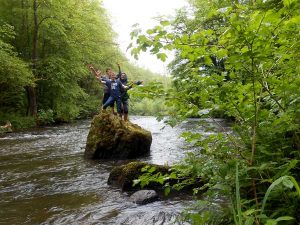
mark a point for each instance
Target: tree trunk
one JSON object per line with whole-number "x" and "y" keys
{"x": 31, "y": 92}
{"x": 32, "y": 104}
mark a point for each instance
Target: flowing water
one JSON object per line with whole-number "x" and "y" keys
{"x": 46, "y": 180}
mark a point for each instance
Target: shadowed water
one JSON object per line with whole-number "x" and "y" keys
{"x": 45, "y": 179}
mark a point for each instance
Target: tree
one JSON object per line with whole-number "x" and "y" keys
{"x": 14, "y": 73}
{"x": 238, "y": 59}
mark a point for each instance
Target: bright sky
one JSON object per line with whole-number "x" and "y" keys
{"x": 125, "y": 13}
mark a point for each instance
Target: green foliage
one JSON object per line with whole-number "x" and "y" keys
{"x": 249, "y": 216}
{"x": 149, "y": 99}
{"x": 17, "y": 121}
{"x": 147, "y": 107}
{"x": 14, "y": 73}
{"x": 287, "y": 181}
{"x": 149, "y": 175}
{"x": 206, "y": 212}
{"x": 45, "y": 117}
{"x": 238, "y": 60}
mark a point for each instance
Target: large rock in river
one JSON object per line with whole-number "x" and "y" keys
{"x": 112, "y": 138}
{"x": 123, "y": 176}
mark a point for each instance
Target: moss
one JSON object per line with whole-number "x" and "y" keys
{"x": 111, "y": 137}
{"x": 123, "y": 176}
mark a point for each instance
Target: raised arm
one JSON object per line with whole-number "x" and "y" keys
{"x": 97, "y": 73}
{"x": 91, "y": 67}
{"x": 120, "y": 72}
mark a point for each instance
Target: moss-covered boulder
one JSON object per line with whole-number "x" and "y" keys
{"x": 112, "y": 138}
{"x": 154, "y": 177}
{"x": 123, "y": 176}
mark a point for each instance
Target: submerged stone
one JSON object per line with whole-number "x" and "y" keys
{"x": 143, "y": 197}
{"x": 112, "y": 138}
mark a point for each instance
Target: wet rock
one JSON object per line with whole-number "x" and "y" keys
{"x": 123, "y": 176}
{"x": 143, "y": 197}
{"x": 112, "y": 138}
{"x": 7, "y": 128}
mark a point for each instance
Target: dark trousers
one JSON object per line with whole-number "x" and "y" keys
{"x": 111, "y": 100}
{"x": 105, "y": 98}
{"x": 125, "y": 106}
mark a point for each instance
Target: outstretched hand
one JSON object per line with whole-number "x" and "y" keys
{"x": 97, "y": 73}
{"x": 139, "y": 82}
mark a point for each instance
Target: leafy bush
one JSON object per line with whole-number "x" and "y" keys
{"x": 17, "y": 121}
{"x": 45, "y": 117}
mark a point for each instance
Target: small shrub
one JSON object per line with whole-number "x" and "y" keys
{"x": 45, "y": 117}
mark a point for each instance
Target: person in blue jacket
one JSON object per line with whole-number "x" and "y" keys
{"x": 101, "y": 78}
{"x": 115, "y": 87}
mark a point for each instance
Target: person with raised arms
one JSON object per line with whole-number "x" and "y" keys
{"x": 124, "y": 95}
{"x": 100, "y": 78}
{"x": 115, "y": 86}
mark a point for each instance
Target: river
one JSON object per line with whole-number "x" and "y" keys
{"x": 46, "y": 180}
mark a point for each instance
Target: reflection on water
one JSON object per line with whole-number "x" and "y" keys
{"x": 45, "y": 179}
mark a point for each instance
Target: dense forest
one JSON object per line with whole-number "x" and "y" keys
{"x": 45, "y": 47}
{"x": 237, "y": 60}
